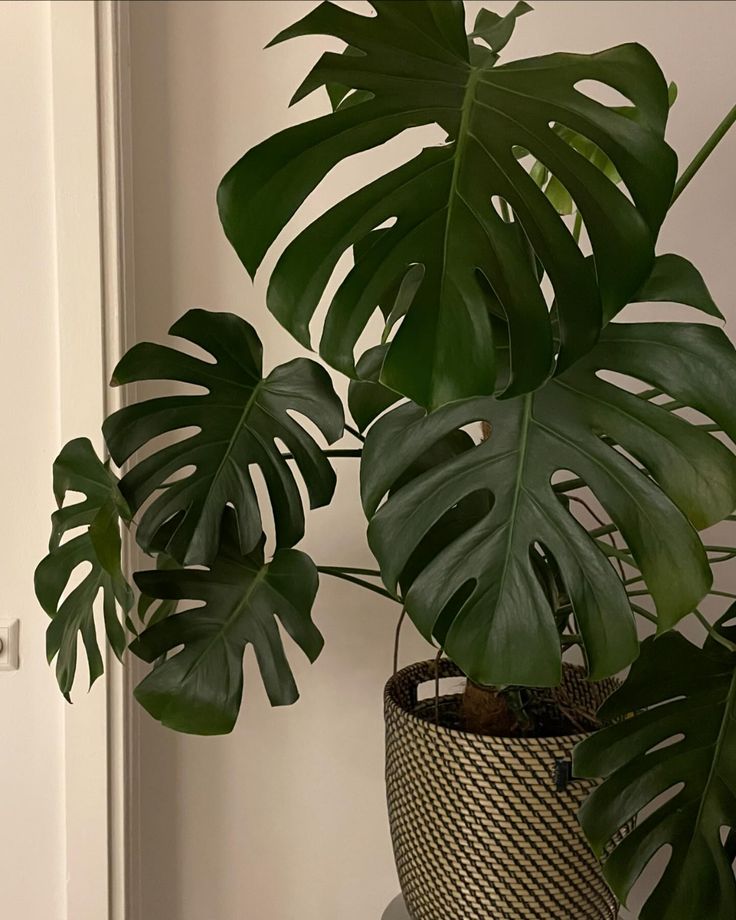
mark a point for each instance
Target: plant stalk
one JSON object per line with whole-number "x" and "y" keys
{"x": 336, "y": 572}
{"x": 713, "y": 633}
{"x": 647, "y": 614}
{"x": 355, "y": 433}
{"x": 339, "y": 452}
{"x": 397, "y": 639}
{"x": 702, "y": 155}
{"x": 577, "y": 226}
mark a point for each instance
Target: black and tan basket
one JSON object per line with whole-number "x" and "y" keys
{"x": 481, "y": 826}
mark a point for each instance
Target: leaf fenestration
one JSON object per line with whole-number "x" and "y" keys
{"x": 415, "y": 68}
{"x": 238, "y": 419}
{"x": 681, "y": 478}
{"x": 98, "y": 549}
{"x": 682, "y": 734}
{"x": 199, "y": 687}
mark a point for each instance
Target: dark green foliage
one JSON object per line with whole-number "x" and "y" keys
{"x": 494, "y": 262}
{"x": 92, "y": 555}
{"x": 677, "y": 478}
{"x": 198, "y": 688}
{"x": 674, "y": 279}
{"x": 682, "y": 741}
{"x": 412, "y": 64}
{"x": 239, "y": 419}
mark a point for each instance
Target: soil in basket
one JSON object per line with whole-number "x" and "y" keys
{"x": 529, "y": 713}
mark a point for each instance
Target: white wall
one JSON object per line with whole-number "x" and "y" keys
{"x": 285, "y": 820}
{"x": 31, "y": 710}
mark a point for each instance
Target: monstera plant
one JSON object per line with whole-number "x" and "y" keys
{"x": 496, "y": 263}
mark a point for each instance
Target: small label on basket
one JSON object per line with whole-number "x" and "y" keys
{"x": 563, "y": 774}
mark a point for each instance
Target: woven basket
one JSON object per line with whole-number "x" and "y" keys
{"x": 479, "y": 828}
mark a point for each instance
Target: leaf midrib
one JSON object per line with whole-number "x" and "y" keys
{"x": 720, "y": 741}
{"x": 226, "y": 626}
{"x": 462, "y": 137}
{"x": 232, "y": 441}
{"x": 518, "y": 487}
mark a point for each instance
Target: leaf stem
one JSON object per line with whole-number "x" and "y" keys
{"x": 713, "y": 633}
{"x": 603, "y": 531}
{"x": 338, "y": 573}
{"x": 577, "y": 226}
{"x": 338, "y": 452}
{"x": 568, "y": 485}
{"x": 355, "y": 433}
{"x": 351, "y": 570}
{"x": 652, "y": 393}
{"x": 647, "y": 614}
{"x": 702, "y": 155}
{"x": 397, "y": 639}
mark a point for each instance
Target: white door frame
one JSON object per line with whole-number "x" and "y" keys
{"x": 91, "y": 97}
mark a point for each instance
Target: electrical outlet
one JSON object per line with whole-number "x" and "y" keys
{"x": 9, "y": 657}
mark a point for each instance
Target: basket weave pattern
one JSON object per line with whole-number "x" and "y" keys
{"x": 479, "y": 830}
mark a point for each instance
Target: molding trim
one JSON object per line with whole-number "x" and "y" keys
{"x": 90, "y": 89}
{"x": 118, "y": 279}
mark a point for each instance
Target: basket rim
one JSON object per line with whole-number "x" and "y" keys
{"x": 392, "y": 703}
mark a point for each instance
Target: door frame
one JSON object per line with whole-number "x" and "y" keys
{"x": 90, "y": 89}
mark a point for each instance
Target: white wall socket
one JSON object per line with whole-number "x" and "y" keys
{"x": 9, "y": 646}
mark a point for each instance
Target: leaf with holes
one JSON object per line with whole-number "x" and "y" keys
{"x": 199, "y": 688}
{"x": 553, "y": 188}
{"x": 98, "y": 549}
{"x": 416, "y": 66}
{"x": 673, "y": 477}
{"x": 682, "y": 739}
{"x": 239, "y": 418}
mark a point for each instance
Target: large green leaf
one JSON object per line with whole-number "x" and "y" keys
{"x": 682, "y": 740}
{"x": 92, "y": 556}
{"x": 199, "y": 688}
{"x": 505, "y": 631}
{"x": 240, "y": 418}
{"x": 416, "y": 67}
{"x": 673, "y": 279}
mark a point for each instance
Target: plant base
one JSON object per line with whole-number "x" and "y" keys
{"x": 479, "y": 828}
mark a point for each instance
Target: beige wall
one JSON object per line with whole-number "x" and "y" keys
{"x": 31, "y": 727}
{"x": 285, "y": 820}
